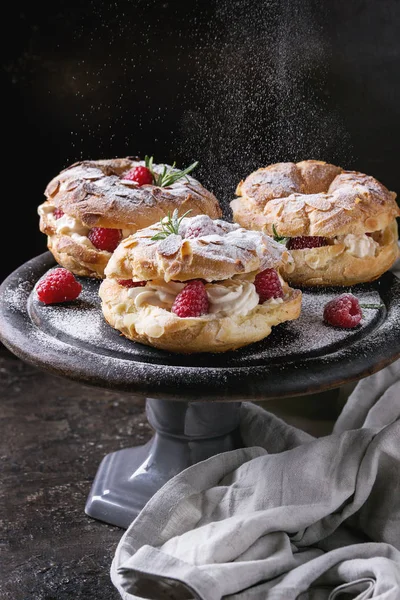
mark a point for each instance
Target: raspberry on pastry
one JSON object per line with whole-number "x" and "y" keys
{"x": 192, "y": 301}
{"x": 310, "y": 241}
{"x": 58, "y": 213}
{"x": 210, "y": 285}
{"x": 104, "y": 238}
{"x": 141, "y": 175}
{"x": 340, "y": 226}
{"x": 268, "y": 285}
{"x": 131, "y": 284}
{"x": 119, "y": 195}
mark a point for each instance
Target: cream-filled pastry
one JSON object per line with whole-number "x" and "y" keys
{"x": 340, "y": 226}
{"x": 198, "y": 285}
{"x": 92, "y": 205}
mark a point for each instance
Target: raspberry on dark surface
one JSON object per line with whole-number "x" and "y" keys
{"x": 192, "y": 301}
{"x": 268, "y": 285}
{"x": 105, "y": 239}
{"x": 343, "y": 311}
{"x": 142, "y": 175}
{"x": 58, "y": 213}
{"x": 310, "y": 241}
{"x": 128, "y": 283}
{"x": 58, "y": 286}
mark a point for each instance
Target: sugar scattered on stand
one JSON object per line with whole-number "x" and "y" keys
{"x": 85, "y": 322}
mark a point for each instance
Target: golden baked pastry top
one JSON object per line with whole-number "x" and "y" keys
{"x": 95, "y": 192}
{"x": 313, "y": 198}
{"x": 205, "y": 248}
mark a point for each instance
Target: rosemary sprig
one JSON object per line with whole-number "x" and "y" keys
{"x": 169, "y": 175}
{"x": 170, "y": 225}
{"x": 279, "y": 238}
{"x": 372, "y": 305}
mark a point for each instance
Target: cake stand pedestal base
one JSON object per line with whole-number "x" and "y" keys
{"x": 185, "y": 433}
{"x": 196, "y": 414}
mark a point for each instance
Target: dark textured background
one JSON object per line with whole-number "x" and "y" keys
{"x": 235, "y": 84}
{"x": 54, "y": 433}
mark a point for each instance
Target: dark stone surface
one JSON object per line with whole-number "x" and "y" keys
{"x": 54, "y": 433}
{"x": 74, "y": 342}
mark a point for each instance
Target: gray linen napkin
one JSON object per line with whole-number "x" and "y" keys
{"x": 290, "y": 516}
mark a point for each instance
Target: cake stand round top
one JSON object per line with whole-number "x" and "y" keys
{"x": 303, "y": 356}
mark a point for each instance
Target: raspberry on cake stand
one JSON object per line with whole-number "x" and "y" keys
{"x": 193, "y": 401}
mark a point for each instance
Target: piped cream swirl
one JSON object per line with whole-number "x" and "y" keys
{"x": 153, "y": 303}
{"x": 225, "y": 297}
{"x": 359, "y": 246}
{"x": 232, "y": 297}
{"x": 156, "y": 293}
{"x": 66, "y": 225}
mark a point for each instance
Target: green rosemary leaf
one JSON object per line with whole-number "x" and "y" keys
{"x": 170, "y": 225}
{"x": 190, "y": 168}
{"x": 184, "y": 215}
{"x": 159, "y": 236}
{"x": 168, "y": 175}
{"x": 278, "y": 238}
{"x": 372, "y": 305}
{"x": 148, "y": 161}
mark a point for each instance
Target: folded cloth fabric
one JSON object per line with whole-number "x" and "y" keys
{"x": 288, "y": 516}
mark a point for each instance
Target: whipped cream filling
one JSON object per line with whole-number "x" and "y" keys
{"x": 227, "y": 297}
{"x": 230, "y": 297}
{"x": 156, "y": 293}
{"x": 68, "y": 225}
{"x": 46, "y": 209}
{"x": 359, "y": 246}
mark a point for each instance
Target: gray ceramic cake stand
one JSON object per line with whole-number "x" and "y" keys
{"x": 193, "y": 401}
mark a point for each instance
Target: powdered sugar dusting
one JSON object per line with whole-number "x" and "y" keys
{"x": 102, "y": 180}
{"x": 169, "y": 245}
{"x": 17, "y": 297}
{"x": 310, "y": 334}
{"x": 220, "y": 241}
{"x": 202, "y": 225}
{"x": 82, "y": 323}
{"x": 240, "y": 245}
{"x": 73, "y": 340}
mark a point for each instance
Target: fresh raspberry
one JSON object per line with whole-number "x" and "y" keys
{"x": 142, "y": 175}
{"x": 311, "y": 241}
{"x": 343, "y": 311}
{"x": 131, "y": 284}
{"x": 58, "y": 213}
{"x": 57, "y": 286}
{"x": 192, "y": 301}
{"x": 105, "y": 239}
{"x": 193, "y": 232}
{"x": 268, "y": 285}
{"x": 201, "y": 226}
